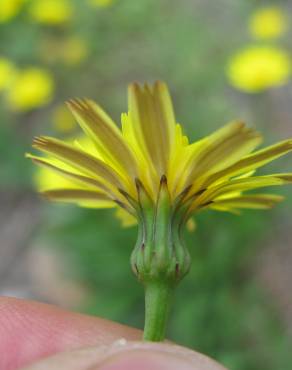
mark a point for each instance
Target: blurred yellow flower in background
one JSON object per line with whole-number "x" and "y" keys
{"x": 74, "y": 50}
{"x": 32, "y": 87}
{"x": 125, "y": 218}
{"x": 71, "y": 50}
{"x": 9, "y": 9}
{"x": 7, "y": 73}
{"x": 268, "y": 23}
{"x": 51, "y": 12}
{"x": 102, "y": 3}
{"x": 63, "y": 120}
{"x": 257, "y": 68}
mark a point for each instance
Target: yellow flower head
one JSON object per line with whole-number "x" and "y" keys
{"x": 268, "y": 23}
{"x": 7, "y": 73}
{"x": 31, "y": 88}
{"x": 51, "y": 12}
{"x": 100, "y": 3}
{"x": 257, "y": 68}
{"x": 9, "y": 9}
{"x": 150, "y": 161}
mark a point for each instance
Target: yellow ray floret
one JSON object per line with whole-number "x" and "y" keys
{"x": 111, "y": 166}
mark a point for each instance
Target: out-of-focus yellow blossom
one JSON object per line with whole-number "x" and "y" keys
{"x": 49, "y": 50}
{"x": 9, "y": 9}
{"x": 51, "y": 12}
{"x": 268, "y": 23}
{"x": 191, "y": 225}
{"x": 256, "y": 68}
{"x": 125, "y": 218}
{"x": 7, "y": 73}
{"x": 70, "y": 51}
{"x": 63, "y": 120}
{"x": 101, "y": 3}
{"x": 74, "y": 50}
{"x": 31, "y": 88}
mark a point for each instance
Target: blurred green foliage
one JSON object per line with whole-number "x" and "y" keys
{"x": 219, "y": 309}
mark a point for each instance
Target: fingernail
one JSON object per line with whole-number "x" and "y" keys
{"x": 123, "y": 355}
{"x": 134, "y": 360}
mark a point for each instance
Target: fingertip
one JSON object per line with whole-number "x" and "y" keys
{"x": 32, "y": 330}
{"x": 124, "y": 355}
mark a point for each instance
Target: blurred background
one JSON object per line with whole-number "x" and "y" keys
{"x": 222, "y": 60}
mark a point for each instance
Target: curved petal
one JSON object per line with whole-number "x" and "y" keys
{"x": 238, "y": 185}
{"x": 221, "y": 149}
{"x": 252, "y": 201}
{"x": 87, "y": 182}
{"x": 75, "y": 195}
{"x": 78, "y": 159}
{"x": 105, "y": 134}
{"x": 253, "y": 161}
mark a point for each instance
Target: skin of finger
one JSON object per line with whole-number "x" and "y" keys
{"x": 31, "y": 330}
{"x": 129, "y": 356}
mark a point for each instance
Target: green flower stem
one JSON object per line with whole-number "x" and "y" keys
{"x": 158, "y": 295}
